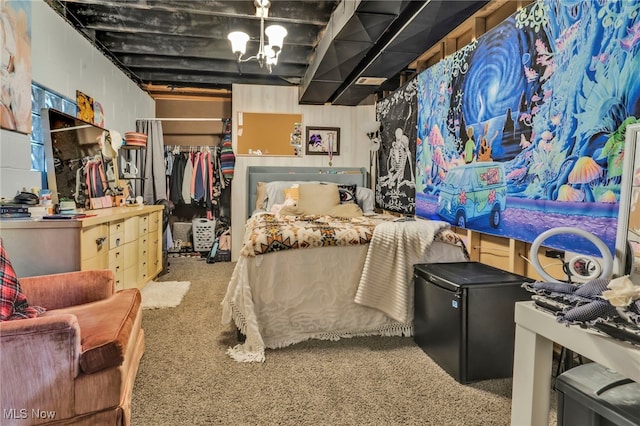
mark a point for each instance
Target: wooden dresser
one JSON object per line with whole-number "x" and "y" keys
{"x": 127, "y": 240}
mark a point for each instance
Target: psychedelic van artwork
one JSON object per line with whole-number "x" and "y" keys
{"x": 547, "y": 94}
{"x": 473, "y": 191}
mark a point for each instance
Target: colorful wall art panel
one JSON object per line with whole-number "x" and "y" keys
{"x": 85, "y": 107}
{"x": 395, "y": 175}
{"x": 523, "y": 129}
{"x": 15, "y": 66}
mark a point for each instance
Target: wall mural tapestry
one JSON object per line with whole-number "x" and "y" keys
{"x": 15, "y": 65}
{"x": 523, "y": 129}
{"x": 395, "y": 176}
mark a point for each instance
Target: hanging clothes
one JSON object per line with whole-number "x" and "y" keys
{"x": 227, "y": 157}
{"x": 177, "y": 175}
{"x": 196, "y": 177}
{"x": 168, "y": 163}
{"x": 95, "y": 178}
{"x": 199, "y": 180}
{"x": 186, "y": 181}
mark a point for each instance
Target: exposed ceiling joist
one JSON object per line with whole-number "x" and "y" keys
{"x": 182, "y": 45}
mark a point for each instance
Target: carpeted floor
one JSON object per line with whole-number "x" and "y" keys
{"x": 185, "y": 377}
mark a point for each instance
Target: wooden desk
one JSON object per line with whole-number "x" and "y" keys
{"x": 536, "y": 331}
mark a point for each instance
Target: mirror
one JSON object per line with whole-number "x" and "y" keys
{"x": 72, "y": 147}
{"x": 634, "y": 217}
{"x": 629, "y": 216}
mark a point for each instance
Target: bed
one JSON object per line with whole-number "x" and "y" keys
{"x": 307, "y": 276}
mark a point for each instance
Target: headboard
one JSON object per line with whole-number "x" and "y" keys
{"x": 340, "y": 175}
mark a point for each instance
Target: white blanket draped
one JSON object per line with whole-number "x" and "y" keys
{"x": 386, "y": 282}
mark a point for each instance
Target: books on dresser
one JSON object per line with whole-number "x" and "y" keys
{"x": 10, "y": 211}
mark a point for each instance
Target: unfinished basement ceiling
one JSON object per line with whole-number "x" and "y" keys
{"x": 338, "y": 52}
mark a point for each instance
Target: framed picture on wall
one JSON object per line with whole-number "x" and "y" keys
{"x": 322, "y": 140}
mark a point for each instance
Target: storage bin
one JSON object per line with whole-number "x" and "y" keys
{"x": 204, "y": 233}
{"x": 182, "y": 235}
{"x": 592, "y": 395}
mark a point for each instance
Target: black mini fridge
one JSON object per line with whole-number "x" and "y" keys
{"x": 464, "y": 317}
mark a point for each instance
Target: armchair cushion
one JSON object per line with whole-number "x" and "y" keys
{"x": 13, "y": 303}
{"x": 104, "y": 341}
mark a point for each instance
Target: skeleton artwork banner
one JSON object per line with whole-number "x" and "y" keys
{"x": 523, "y": 129}
{"x": 395, "y": 176}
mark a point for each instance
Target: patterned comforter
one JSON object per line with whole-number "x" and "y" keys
{"x": 268, "y": 233}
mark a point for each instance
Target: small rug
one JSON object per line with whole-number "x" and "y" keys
{"x": 163, "y": 294}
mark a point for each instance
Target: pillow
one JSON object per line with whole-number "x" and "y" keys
{"x": 292, "y": 193}
{"x": 366, "y": 199}
{"x": 318, "y": 198}
{"x": 13, "y": 303}
{"x": 261, "y": 195}
{"x": 341, "y": 210}
{"x": 346, "y": 210}
{"x": 275, "y": 192}
{"x": 348, "y": 194}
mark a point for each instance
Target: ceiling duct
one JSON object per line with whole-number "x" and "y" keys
{"x": 369, "y": 42}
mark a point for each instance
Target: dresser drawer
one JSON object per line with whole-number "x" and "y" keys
{"x": 116, "y": 259}
{"x": 131, "y": 229}
{"x": 154, "y": 221}
{"x": 143, "y": 225}
{"x": 155, "y": 256}
{"x": 131, "y": 254}
{"x": 94, "y": 240}
{"x": 96, "y": 262}
{"x": 131, "y": 277}
{"x": 119, "y": 277}
{"x": 116, "y": 226}
{"x": 116, "y": 240}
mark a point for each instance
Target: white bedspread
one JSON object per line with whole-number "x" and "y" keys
{"x": 278, "y": 299}
{"x": 386, "y": 282}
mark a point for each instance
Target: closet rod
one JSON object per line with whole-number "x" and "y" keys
{"x": 183, "y": 119}
{"x": 66, "y": 129}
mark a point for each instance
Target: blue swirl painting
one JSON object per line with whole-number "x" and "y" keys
{"x": 523, "y": 129}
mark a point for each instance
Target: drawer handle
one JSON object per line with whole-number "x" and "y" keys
{"x": 100, "y": 241}
{"x": 117, "y": 242}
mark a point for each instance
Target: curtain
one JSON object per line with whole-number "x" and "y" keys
{"x": 155, "y": 184}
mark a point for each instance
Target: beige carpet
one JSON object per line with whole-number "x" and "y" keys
{"x": 169, "y": 294}
{"x": 185, "y": 377}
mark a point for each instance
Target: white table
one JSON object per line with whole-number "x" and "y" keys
{"x": 536, "y": 331}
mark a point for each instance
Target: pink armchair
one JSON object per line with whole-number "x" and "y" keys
{"x": 76, "y": 363}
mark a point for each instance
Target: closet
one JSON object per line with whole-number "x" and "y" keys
{"x": 199, "y": 193}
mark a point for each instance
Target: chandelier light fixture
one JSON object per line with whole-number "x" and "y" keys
{"x": 267, "y": 54}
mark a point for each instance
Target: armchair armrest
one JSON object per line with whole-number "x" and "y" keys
{"x": 39, "y": 363}
{"x": 66, "y": 289}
